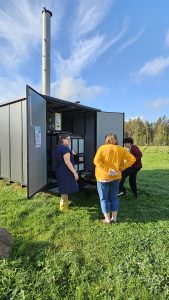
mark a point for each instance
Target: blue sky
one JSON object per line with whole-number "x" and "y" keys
{"x": 111, "y": 54}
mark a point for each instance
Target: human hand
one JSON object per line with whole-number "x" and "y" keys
{"x": 112, "y": 172}
{"x": 76, "y": 175}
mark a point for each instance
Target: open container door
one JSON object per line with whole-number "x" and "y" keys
{"x": 36, "y": 138}
{"x": 110, "y": 122}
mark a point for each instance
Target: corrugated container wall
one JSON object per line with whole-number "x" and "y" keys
{"x": 13, "y": 142}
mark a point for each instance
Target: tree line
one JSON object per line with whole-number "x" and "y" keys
{"x": 145, "y": 133}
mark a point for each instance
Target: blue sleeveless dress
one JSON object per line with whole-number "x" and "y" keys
{"x": 66, "y": 180}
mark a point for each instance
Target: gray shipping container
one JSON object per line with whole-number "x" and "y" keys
{"x": 26, "y": 142}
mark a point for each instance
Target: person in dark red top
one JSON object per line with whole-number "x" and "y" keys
{"x": 133, "y": 170}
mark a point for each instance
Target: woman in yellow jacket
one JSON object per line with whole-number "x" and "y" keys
{"x": 110, "y": 160}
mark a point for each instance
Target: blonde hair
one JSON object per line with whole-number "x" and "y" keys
{"x": 111, "y": 138}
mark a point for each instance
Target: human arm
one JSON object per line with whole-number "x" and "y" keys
{"x": 68, "y": 163}
{"x": 98, "y": 160}
{"x": 129, "y": 160}
{"x": 136, "y": 152}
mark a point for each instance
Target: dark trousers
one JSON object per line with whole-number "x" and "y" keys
{"x": 132, "y": 173}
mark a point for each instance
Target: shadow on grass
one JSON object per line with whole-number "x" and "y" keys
{"x": 151, "y": 205}
{"x": 31, "y": 254}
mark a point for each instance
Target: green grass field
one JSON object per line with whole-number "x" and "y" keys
{"x": 73, "y": 256}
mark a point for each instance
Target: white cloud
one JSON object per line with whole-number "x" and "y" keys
{"x": 86, "y": 51}
{"x": 20, "y": 37}
{"x": 131, "y": 40}
{"x": 86, "y": 46}
{"x": 152, "y": 68}
{"x": 158, "y": 103}
{"x": 73, "y": 89}
{"x": 167, "y": 38}
{"x": 82, "y": 55}
{"x": 88, "y": 15}
{"x": 17, "y": 28}
{"x": 85, "y": 43}
{"x": 20, "y": 29}
{"x": 115, "y": 39}
{"x": 15, "y": 88}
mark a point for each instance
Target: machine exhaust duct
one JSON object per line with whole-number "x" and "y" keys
{"x": 46, "y": 15}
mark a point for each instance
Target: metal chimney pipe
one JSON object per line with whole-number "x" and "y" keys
{"x": 46, "y": 15}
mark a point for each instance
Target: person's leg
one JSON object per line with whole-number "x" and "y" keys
{"x": 133, "y": 181}
{"x": 124, "y": 174}
{"x": 114, "y": 203}
{"x": 103, "y": 191}
{"x": 64, "y": 202}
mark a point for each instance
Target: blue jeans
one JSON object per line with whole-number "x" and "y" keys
{"x": 108, "y": 195}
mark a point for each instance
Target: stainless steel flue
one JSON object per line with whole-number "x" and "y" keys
{"x": 46, "y": 15}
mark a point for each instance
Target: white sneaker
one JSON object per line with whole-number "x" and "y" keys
{"x": 120, "y": 194}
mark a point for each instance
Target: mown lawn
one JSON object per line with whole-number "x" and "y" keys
{"x": 73, "y": 256}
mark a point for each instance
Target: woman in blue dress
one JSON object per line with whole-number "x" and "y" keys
{"x": 65, "y": 172}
